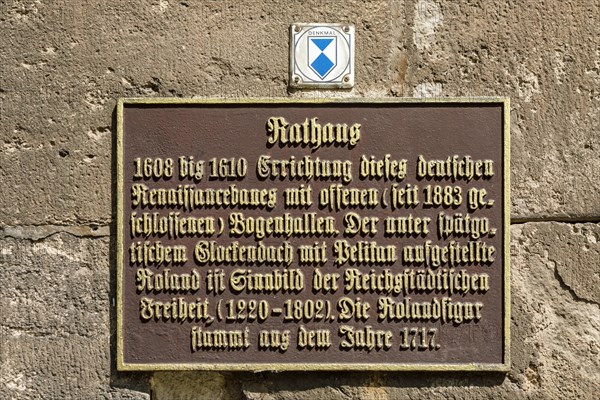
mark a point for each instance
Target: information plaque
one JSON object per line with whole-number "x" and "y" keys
{"x": 326, "y": 234}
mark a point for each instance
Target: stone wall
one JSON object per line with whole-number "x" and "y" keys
{"x": 65, "y": 63}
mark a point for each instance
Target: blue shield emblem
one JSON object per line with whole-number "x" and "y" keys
{"x": 322, "y": 54}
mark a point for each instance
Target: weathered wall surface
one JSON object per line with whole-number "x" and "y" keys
{"x": 64, "y": 64}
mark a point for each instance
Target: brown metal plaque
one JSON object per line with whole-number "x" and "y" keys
{"x": 313, "y": 235}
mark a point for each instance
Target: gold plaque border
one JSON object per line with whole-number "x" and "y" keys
{"x": 258, "y": 367}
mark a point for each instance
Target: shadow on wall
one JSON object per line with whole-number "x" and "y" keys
{"x": 356, "y": 382}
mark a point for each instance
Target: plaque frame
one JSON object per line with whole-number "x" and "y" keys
{"x": 275, "y": 367}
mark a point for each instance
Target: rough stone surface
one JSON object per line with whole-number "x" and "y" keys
{"x": 63, "y": 64}
{"x": 555, "y": 334}
{"x": 55, "y": 323}
{"x": 543, "y": 55}
{"x": 195, "y": 386}
{"x": 577, "y": 257}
